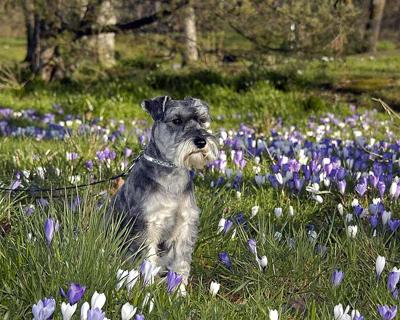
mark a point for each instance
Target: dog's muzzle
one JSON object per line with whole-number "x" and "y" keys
{"x": 197, "y": 152}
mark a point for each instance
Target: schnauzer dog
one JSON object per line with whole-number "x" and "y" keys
{"x": 157, "y": 200}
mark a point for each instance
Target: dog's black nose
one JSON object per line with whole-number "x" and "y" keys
{"x": 200, "y": 142}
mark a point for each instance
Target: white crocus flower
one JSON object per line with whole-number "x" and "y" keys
{"x": 354, "y": 203}
{"x": 318, "y": 198}
{"x": 131, "y": 280}
{"x": 380, "y": 265}
{"x": 341, "y": 314}
{"x": 291, "y": 211}
{"x": 352, "y": 231}
{"x": 314, "y": 188}
{"x": 278, "y": 212}
{"x": 386, "y": 215}
{"x": 221, "y": 225}
{"x": 254, "y": 211}
{"x": 98, "y": 300}
{"x": 67, "y": 310}
{"x": 355, "y": 314}
{"x": 214, "y": 288}
{"x": 393, "y": 189}
{"x": 340, "y": 208}
{"x": 273, "y": 314}
{"x": 262, "y": 262}
{"x": 127, "y": 311}
{"x": 148, "y": 300}
{"x": 121, "y": 278}
{"x": 149, "y": 271}
{"x": 84, "y": 310}
{"x": 279, "y": 178}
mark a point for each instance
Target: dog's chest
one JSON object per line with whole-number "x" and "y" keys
{"x": 166, "y": 211}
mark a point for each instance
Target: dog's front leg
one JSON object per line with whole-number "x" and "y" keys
{"x": 184, "y": 240}
{"x": 151, "y": 243}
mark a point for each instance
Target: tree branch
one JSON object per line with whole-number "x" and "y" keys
{"x": 88, "y": 30}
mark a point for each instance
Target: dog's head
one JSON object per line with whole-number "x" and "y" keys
{"x": 179, "y": 131}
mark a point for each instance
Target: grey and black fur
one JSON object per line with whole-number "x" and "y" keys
{"x": 157, "y": 199}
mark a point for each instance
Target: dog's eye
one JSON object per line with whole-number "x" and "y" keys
{"x": 177, "y": 121}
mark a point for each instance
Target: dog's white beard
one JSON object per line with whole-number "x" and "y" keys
{"x": 189, "y": 156}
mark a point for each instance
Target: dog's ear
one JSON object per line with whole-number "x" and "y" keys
{"x": 155, "y": 107}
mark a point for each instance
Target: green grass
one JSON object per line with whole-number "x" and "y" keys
{"x": 297, "y": 281}
{"x": 12, "y": 50}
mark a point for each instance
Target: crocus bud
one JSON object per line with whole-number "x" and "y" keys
{"x": 337, "y": 277}
{"x": 393, "y": 279}
{"x": 352, "y": 231}
{"x": 121, "y": 278}
{"x": 379, "y": 266}
{"x": 273, "y": 314}
{"x": 49, "y": 229}
{"x": 252, "y": 246}
{"x": 318, "y": 198}
{"x": 221, "y": 225}
{"x": 84, "y": 311}
{"x": 278, "y": 212}
{"x": 291, "y": 211}
{"x": 214, "y": 288}
{"x": 254, "y": 211}
{"x": 393, "y": 189}
{"x": 385, "y": 217}
{"x": 340, "y": 209}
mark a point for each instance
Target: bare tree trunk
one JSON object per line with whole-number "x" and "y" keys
{"x": 189, "y": 25}
{"x": 374, "y": 24}
{"x": 106, "y": 41}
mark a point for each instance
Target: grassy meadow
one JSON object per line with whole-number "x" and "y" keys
{"x": 291, "y": 136}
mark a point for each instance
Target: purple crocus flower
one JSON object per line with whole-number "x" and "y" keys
{"x": 387, "y": 313}
{"x": 393, "y": 279}
{"x": 49, "y": 229}
{"x": 224, "y": 258}
{"x": 74, "y": 294}
{"x": 238, "y": 157}
{"x": 44, "y": 309}
{"x": 361, "y": 188}
{"x": 139, "y": 316}
{"x": 100, "y": 156}
{"x": 394, "y": 224}
{"x": 127, "y": 152}
{"x": 252, "y": 246}
{"x": 337, "y": 277}
{"x": 29, "y": 210}
{"x": 373, "y": 180}
{"x": 89, "y": 165}
{"x": 373, "y": 220}
{"x": 15, "y": 184}
{"x": 42, "y": 202}
{"x": 173, "y": 280}
{"x": 95, "y": 314}
{"x": 381, "y": 188}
